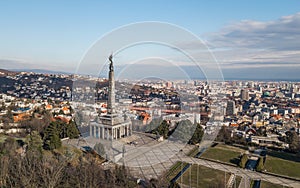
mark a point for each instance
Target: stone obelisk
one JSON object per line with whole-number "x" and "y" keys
{"x": 111, "y": 88}
{"x": 113, "y": 125}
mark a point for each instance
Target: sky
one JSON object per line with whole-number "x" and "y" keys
{"x": 249, "y": 39}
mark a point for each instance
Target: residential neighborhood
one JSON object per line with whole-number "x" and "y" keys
{"x": 251, "y": 119}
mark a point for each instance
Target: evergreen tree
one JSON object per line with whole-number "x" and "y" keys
{"x": 184, "y": 131}
{"x": 72, "y": 131}
{"x": 260, "y": 165}
{"x": 34, "y": 142}
{"x": 293, "y": 140}
{"x": 197, "y": 136}
{"x": 243, "y": 160}
{"x": 163, "y": 129}
{"x": 51, "y": 137}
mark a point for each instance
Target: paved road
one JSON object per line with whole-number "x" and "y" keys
{"x": 245, "y": 182}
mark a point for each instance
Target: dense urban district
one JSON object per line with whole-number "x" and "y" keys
{"x": 253, "y": 127}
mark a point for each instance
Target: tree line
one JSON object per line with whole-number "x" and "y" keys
{"x": 39, "y": 168}
{"x": 67, "y": 167}
{"x": 184, "y": 131}
{"x": 37, "y": 159}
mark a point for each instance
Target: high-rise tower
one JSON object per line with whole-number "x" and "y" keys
{"x": 244, "y": 94}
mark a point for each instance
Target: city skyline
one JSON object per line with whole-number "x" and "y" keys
{"x": 150, "y": 93}
{"x": 250, "y": 40}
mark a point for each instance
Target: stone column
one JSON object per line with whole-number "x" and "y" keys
{"x": 121, "y": 130}
{"x": 130, "y": 129}
{"x": 99, "y": 129}
{"x": 113, "y": 133}
{"x": 91, "y": 130}
{"x": 102, "y": 132}
{"x": 94, "y": 131}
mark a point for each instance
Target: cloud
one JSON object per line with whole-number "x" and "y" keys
{"x": 263, "y": 73}
{"x": 257, "y": 55}
{"x": 257, "y": 41}
{"x": 245, "y": 49}
{"x": 281, "y": 34}
{"x": 13, "y": 64}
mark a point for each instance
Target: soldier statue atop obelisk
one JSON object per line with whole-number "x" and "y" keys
{"x": 111, "y": 87}
{"x": 111, "y": 66}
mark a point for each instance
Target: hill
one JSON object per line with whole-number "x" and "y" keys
{"x": 4, "y": 72}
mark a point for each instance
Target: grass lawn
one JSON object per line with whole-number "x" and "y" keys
{"x": 283, "y": 167}
{"x": 201, "y": 176}
{"x": 284, "y": 155}
{"x": 223, "y": 153}
{"x": 232, "y": 148}
{"x": 265, "y": 184}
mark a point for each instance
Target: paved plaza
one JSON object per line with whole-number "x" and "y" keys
{"x": 148, "y": 158}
